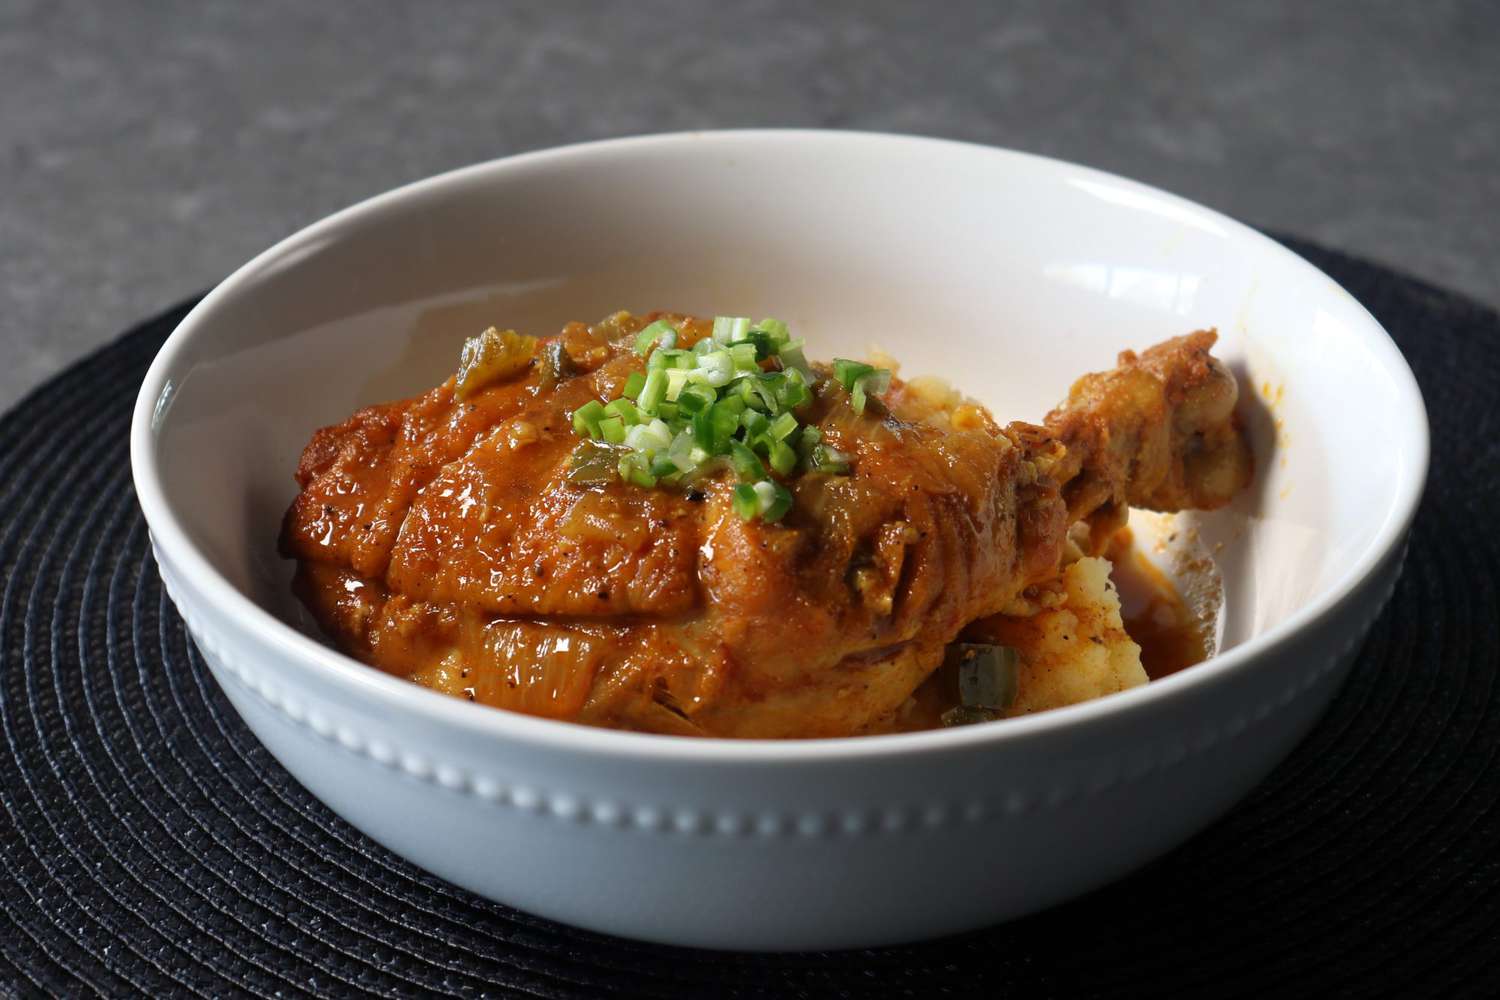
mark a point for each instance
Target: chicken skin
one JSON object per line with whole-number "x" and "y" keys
{"x": 441, "y": 539}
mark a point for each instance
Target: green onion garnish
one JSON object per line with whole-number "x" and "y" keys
{"x": 872, "y": 384}
{"x": 776, "y": 330}
{"x": 746, "y": 465}
{"x": 755, "y": 424}
{"x": 783, "y": 459}
{"x": 728, "y": 329}
{"x": 847, "y": 371}
{"x": 696, "y": 397}
{"x": 624, "y": 409}
{"x": 766, "y": 499}
{"x": 661, "y": 332}
{"x": 746, "y": 503}
{"x": 861, "y": 380}
{"x": 612, "y": 429}
{"x": 586, "y": 418}
{"x": 654, "y": 392}
{"x": 634, "y": 468}
{"x": 782, "y": 426}
{"x": 729, "y": 401}
{"x": 822, "y": 458}
{"x": 775, "y": 499}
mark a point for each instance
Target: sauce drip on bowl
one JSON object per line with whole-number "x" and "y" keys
{"x": 1171, "y": 637}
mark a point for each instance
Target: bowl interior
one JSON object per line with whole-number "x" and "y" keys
{"x": 1007, "y": 274}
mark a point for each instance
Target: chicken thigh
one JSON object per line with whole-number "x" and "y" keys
{"x": 440, "y": 538}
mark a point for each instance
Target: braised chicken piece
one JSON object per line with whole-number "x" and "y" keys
{"x": 449, "y": 538}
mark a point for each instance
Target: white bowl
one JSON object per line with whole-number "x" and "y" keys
{"x": 1010, "y": 274}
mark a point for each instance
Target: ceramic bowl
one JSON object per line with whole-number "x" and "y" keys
{"x": 1007, "y": 273}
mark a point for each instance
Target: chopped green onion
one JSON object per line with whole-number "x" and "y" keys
{"x": 776, "y": 330}
{"x": 703, "y": 428}
{"x": 823, "y": 458}
{"x": 861, "y": 380}
{"x": 729, "y": 401}
{"x": 756, "y": 391}
{"x": 760, "y": 340}
{"x": 612, "y": 429}
{"x": 755, "y": 424}
{"x": 624, "y": 409}
{"x": 847, "y": 371}
{"x": 728, "y": 329}
{"x": 696, "y": 397}
{"x": 871, "y": 384}
{"x": 717, "y": 368}
{"x": 652, "y": 437}
{"x": 782, "y": 427}
{"x": 746, "y": 465}
{"x": 772, "y": 386}
{"x": 745, "y": 356}
{"x": 765, "y": 499}
{"x": 745, "y": 393}
{"x": 775, "y": 500}
{"x": 677, "y": 380}
{"x": 726, "y": 420}
{"x": 685, "y": 454}
{"x": 793, "y": 390}
{"x": 653, "y": 392}
{"x": 793, "y": 360}
{"x": 746, "y": 503}
{"x": 765, "y": 493}
{"x": 586, "y": 418}
{"x": 659, "y": 333}
{"x": 634, "y": 469}
{"x": 783, "y": 459}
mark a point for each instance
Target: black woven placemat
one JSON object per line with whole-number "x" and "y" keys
{"x": 150, "y": 845}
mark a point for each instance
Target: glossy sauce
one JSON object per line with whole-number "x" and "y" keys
{"x": 1171, "y": 637}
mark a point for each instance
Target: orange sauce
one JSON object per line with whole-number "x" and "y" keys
{"x": 1170, "y": 636}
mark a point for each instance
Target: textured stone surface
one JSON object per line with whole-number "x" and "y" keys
{"x": 148, "y": 149}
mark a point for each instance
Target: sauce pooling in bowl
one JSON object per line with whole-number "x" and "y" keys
{"x": 1170, "y": 635}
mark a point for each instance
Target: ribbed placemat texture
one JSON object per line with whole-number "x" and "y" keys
{"x": 151, "y": 846}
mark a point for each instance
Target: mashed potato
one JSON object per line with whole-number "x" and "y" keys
{"x": 1074, "y": 650}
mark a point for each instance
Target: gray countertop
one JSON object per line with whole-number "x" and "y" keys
{"x": 148, "y": 149}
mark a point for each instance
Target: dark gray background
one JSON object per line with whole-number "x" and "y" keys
{"x": 146, "y": 149}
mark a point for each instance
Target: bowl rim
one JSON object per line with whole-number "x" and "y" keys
{"x": 199, "y": 574}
